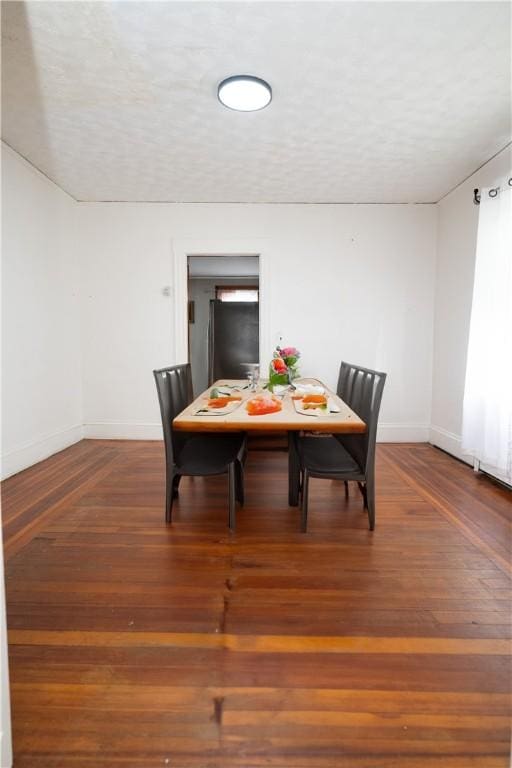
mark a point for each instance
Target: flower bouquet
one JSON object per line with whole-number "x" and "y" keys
{"x": 283, "y": 367}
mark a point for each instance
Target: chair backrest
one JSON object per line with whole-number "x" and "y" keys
{"x": 361, "y": 389}
{"x": 174, "y": 387}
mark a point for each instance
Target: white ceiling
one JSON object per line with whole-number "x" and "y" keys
{"x": 372, "y": 102}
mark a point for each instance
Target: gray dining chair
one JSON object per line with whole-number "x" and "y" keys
{"x": 196, "y": 454}
{"x": 347, "y": 457}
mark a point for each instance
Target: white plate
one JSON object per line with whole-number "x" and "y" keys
{"x": 309, "y": 411}
{"x": 332, "y": 407}
{"x": 230, "y": 407}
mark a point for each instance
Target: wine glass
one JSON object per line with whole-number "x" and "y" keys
{"x": 256, "y": 375}
{"x": 253, "y": 375}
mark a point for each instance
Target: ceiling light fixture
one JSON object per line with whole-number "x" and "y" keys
{"x": 244, "y": 93}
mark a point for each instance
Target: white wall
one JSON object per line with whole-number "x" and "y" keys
{"x": 456, "y": 250}
{"x": 41, "y": 360}
{"x": 352, "y": 282}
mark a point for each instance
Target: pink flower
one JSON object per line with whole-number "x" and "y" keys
{"x": 289, "y": 352}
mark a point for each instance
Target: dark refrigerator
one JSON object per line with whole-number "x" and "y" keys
{"x": 233, "y": 338}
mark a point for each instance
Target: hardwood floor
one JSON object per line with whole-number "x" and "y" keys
{"x": 135, "y": 644}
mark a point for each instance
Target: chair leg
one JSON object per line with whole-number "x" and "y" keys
{"x": 370, "y": 504}
{"x": 168, "y": 500}
{"x": 362, "y": 488}
{"x": 304, "y": 509}
{"x": 239, "y": 482}
{"x": 232, "y": 494}
{"x": 346, "y": 489}
{"x": 171, "y": 486}
{"x": 293, "y": 471}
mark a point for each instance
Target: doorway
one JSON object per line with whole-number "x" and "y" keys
{"x": 223, "y": 316}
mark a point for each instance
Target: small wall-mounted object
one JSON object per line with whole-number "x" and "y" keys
{"x": 191, "y": 312}
{"x": 166, "y": 290}
{"x": 492, "y": 192}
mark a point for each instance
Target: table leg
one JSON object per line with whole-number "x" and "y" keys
{"x": 293, "y": 470}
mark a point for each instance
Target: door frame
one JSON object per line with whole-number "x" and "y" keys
{"x": 182, "y": 249}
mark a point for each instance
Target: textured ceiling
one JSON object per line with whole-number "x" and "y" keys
{"x": 372, "y": 102}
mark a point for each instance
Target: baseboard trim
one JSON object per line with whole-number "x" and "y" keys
{"x": 112, "y": 430}
{"x": 449, "y": 442}
{"x": 402, "y": 433}
{"x": 22, "y": 458}
{"x": 117, "y": 430}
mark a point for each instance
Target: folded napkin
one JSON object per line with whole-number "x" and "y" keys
{"x": 309, "y": 389}
{"x": 333, "y": 406}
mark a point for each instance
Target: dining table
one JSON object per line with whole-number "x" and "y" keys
{"x": 335, "y": 418}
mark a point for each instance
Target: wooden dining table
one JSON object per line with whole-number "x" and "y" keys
{"x": 342, "y": 421}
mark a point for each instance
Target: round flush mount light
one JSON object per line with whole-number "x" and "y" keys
{"x": 244, "y": 93}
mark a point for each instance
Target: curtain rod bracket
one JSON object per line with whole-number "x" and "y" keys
{"x": 492, "y": 192}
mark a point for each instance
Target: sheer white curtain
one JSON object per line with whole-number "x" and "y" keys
{"x": 487, "y": 415}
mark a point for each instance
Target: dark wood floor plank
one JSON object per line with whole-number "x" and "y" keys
{"x": 137, "y": 644}
{"x": 277, "y": 759}
{"x": 481, "y": 506}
